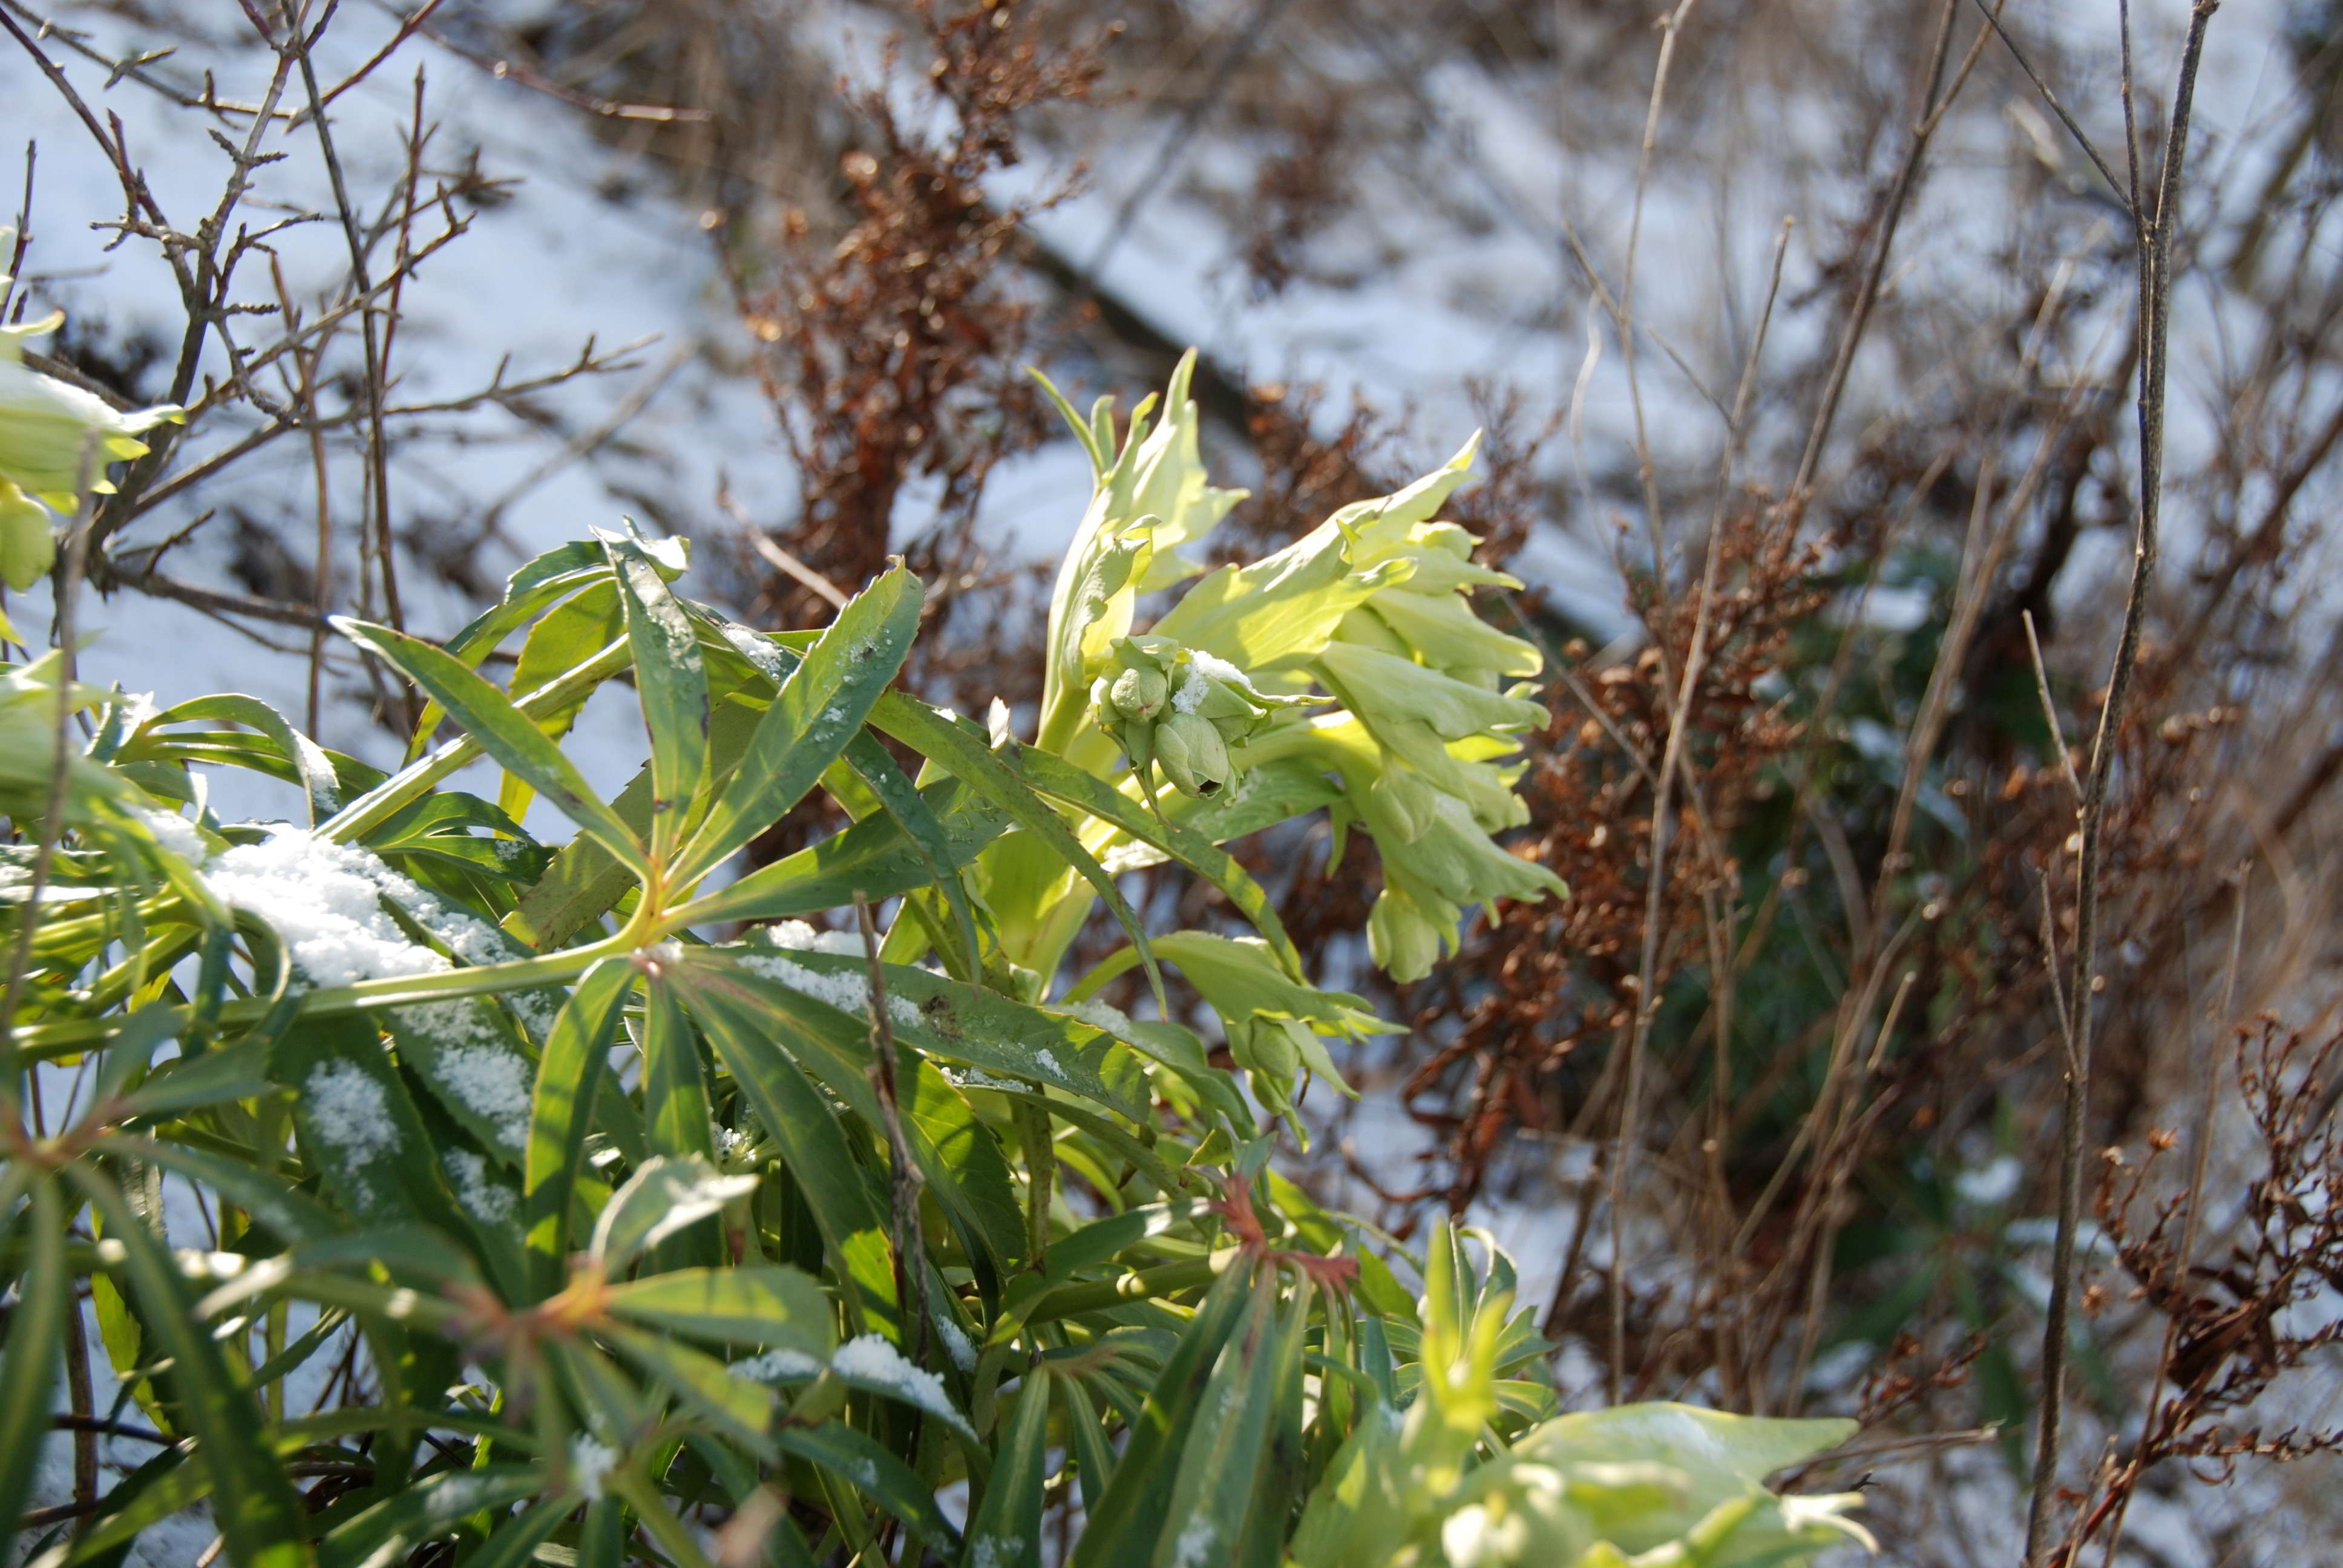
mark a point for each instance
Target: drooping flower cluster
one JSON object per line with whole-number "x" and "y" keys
{"x": 1350, "y": 670}
{"x": 1373, "y": 606}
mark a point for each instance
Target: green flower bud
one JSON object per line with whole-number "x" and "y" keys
{"x": 1139, "y": 693}
{"x": 1266, "y": 1047}
{"x": 28, "y": 548}
{"x": 1192, "y": 752}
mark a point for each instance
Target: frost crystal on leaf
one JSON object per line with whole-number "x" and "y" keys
{"x": 350, "y": 1110}
{"x": 977, "y": 1078}
{"x": 175, "y": 834}
{"x": 536, "y": 1011}
{"x": 1098, "y": 1015}
{"x": 483, "y": 1198}
{"x": 800, "y": 935}
{"x": 957, "y": 1344}
{"x": 874, "y": 1360}
{"x": 777, "y": 1366}
{"x": 846, "y": 991}
{"x": 493, "y": 1082}
{"x": 325, "y": 900}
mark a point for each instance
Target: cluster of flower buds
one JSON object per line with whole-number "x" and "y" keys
{"x": 1181, "y": 710}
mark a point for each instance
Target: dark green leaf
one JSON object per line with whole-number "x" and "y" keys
{"x": 504, "y": 732}
{"x": 674, "y": 690}
{"x": 1007, "y": 1528}
{"x": 32, "y": 1351}
{"x": 869, "y": 1468}
{"x": 561, "y": 1111}
{"x": 392, "y": 1529}
{"x": 964, "y": 757}
{"x": 817, "y": 709}
{"x": 777, "y": 1307}
{"x": 257, "y": 1511}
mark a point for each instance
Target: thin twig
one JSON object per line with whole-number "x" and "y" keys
{"x": 2156, "y": 297}
{"x": 1992, "y": 15}
{"x": 1899, "y": 194}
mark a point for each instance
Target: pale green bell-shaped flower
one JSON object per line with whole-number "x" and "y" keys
{"x": 51, "y": 434}
{"x": 1276, "y": 1027}
{"x": 56, "y": 441}
{"x": 1192, "y": 755}
{"x": 27, "y": 545}
{"x": 1182, "y": 710}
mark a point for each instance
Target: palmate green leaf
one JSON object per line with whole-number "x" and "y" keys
{"x": 1093, "y": 1246}
{"x": 32, "y": 1351}
{"x": 814, "y": 1148}
{"x": 386, "y": 799}
{"x": 444, "y": 829}
{"x": 504, "y": 732}
{"x": 1130, "y": 1519}
{"x": 973, "y": 1024}
{"x": 515, "y": 1543}
{"x": 674, "y": 690}
{"x": 675, "y": 1092}
{"x": 312, "y": 766}
{"x": 545, "y": 581}
{"x": 957, "y": 1155}
{"x": 570, "y": 632}
{"x": 358, "y": 1124}
{"x": 463, "y": 1050}
{"x": 561, "y": 1109}
{"x": 1220, "y": 1468}
{"x": 736, "y": 1407}
{"x": 167, "y": 1484}
{"x": 238, "y": 1071}
{"x": 899, "y": 797}
{"x": 285, "y": 1211}
{"x": 817, "y": 711}
{"x": 258, "y": 1513}
{"x": 1087, "y": 1432}
{"x": 1007, "y": 1530}
{"x": 878, "y": 857}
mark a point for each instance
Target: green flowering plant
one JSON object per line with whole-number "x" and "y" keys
{"x": 654, "y": 1223}
{"x": 56, "y": 441}
{"x": 1349, "y": 671}
{"x": 1635, "y": 1486}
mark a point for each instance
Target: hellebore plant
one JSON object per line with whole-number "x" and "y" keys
{"x": 630, "y": 1236}
{"x": 1348, "y": 670}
